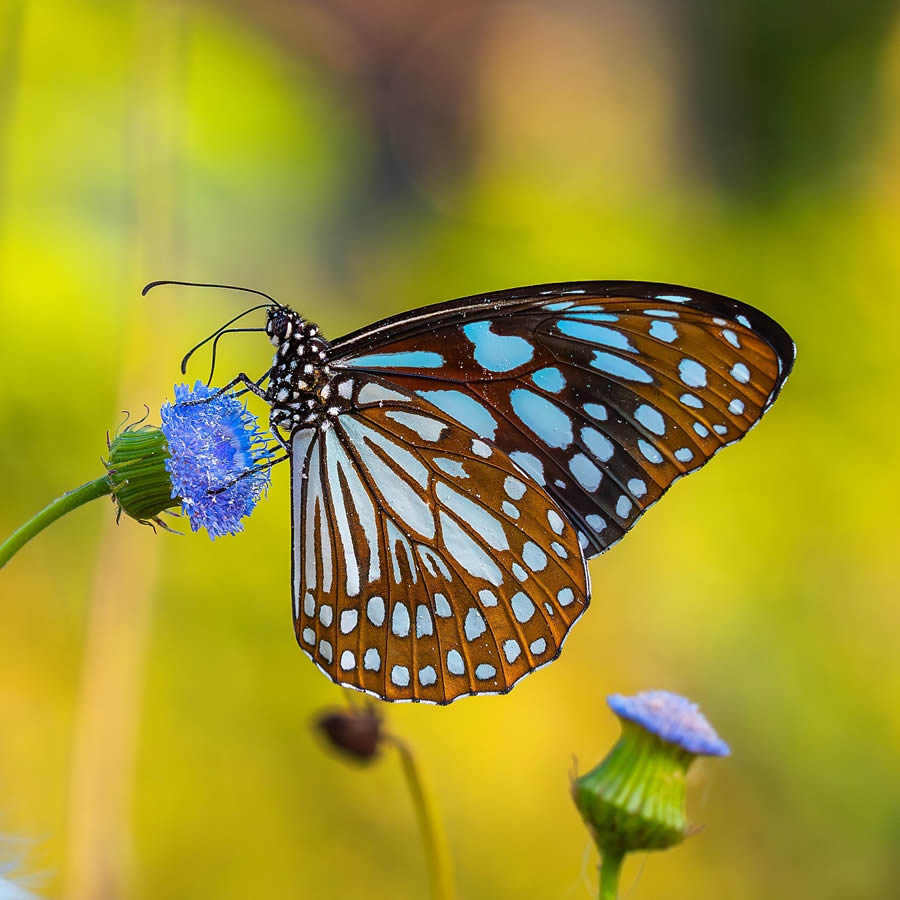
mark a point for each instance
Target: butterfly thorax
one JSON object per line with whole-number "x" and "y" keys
{"x": 299, "y": 390}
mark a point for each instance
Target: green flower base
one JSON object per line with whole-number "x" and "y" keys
{"x": 137, "y": 473}
{"x": 635, "y": 798}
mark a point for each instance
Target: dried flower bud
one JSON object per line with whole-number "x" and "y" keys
{"x": 354, "y": 732}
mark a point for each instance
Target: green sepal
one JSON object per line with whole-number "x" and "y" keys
{"x": 635, "y": 798}
{"x": 137, "y": 474}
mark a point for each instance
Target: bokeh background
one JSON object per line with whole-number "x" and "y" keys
{"x": 361, "y": 157}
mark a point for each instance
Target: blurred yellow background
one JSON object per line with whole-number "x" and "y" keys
{"x": 360, "y": 157}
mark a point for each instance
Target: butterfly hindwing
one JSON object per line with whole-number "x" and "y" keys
{"x": 605, "y": 393}
{"x": 425, "y": 566}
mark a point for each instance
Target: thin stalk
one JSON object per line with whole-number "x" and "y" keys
{"x": 50, "y": 513}
{"x": 610, "y": 869}
{"x": 438, "y": 859}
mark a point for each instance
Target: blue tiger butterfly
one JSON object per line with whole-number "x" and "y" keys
{"x": 454, "y": 467}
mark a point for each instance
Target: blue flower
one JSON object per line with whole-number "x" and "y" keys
{"x": 672, "y": 718}
{"x": 215, "y": 449}
{"x": 11, "y": 886}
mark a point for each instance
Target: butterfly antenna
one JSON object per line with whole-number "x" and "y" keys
{"x": 219, "y": 331}
{"x": 228, "y": 287}
{"x": 215, "y": 346}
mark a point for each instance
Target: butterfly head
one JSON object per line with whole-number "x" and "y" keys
{"x": 298, "y": 380}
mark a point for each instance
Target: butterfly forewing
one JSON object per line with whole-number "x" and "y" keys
{"x": 603, "y": 393}
{"x": 426, "y": 566}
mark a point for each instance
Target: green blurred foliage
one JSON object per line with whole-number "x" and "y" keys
{"x": 143, "y": 141}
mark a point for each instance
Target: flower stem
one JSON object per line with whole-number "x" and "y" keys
{"x": 439, "y": 870}
{"x": 610, "y": 868}
{"x": 50, "y": 513}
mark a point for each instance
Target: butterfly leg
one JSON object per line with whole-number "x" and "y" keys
{"x": 250, "y": 386}
{"x": 260, "y": 468}
{"x": 258, "y": 384}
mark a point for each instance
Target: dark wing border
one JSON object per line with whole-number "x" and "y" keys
{"x": 512, "y": 300}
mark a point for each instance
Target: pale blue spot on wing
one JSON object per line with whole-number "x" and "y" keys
{"x": 534, "y": 557}
{"x": 549, "y": 379}
{"x": 425, "y": 427}
{"x": 556, "y": 307}
{"x": 623, "y": 506}
{"x": 497, "y": 352}
{"x": 720, "y": 429}
{"x": 424, "y": 624}
{"x": 649, "y": 452}
{"x": 683, "y": 454}
{"x": 451, "y": 467}
{"x": 691, "y": 400}
{"x": 740, "y": 373}
{"x": 620, "y": 368}
{"x": 663, "y": 331}
{"x": 662, "y": 313}
{"x": 701, "y": 429}
{"x": 522, "y": 607}
{"x": 651, "y": 419}
{"x": 529, "y": 463}
{"x": 542, "y": 417}
{"x": 465, "y": 409}
{"x": 731, "y": 337}
{"x": 736, "y": 406}
{"x": 595, "y": 334}
{"x": 410, "y": 359}
{"x": 400, "y": 676}
{"x": 514, "y": 488}
{"x": 400, "y": 620}
{"x": 469, "y": 554}
{"x": 692, "y": 373}
{"x": 637, "y": 487}
{"x": 599, "y": 444}
{"x": 675, "y": 298}
{"x": 488, "y": 598}
{"x": 484, "y": 672}
{"x": 538, "y": 646}
{"x": 455, "y": 663}
{"x": 585, "y": 472}
{"x": 596, "y": 411}
{"x": 474, "y": 625}
{"x": 442, "y": 607}
{"x": 744, "y": 321}
{"x": 484, "y": 523}
{"x": 598, "y": 523}
{"x": 583, "y": 313}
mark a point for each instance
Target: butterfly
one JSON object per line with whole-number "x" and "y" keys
{"x": 454, "y": 467}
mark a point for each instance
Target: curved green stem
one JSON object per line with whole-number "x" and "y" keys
{"x": 438, "y": 858}
{"x": 610, "y": 868}
{"x": 50, "y": 513}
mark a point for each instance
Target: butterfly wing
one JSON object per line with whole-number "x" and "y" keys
{"x": 425, "y": 566}
{"x": 605, "y": 393}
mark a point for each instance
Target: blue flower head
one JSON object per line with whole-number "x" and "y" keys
{"x": 214, "y": 451}
{"x": 672, "y": 718}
